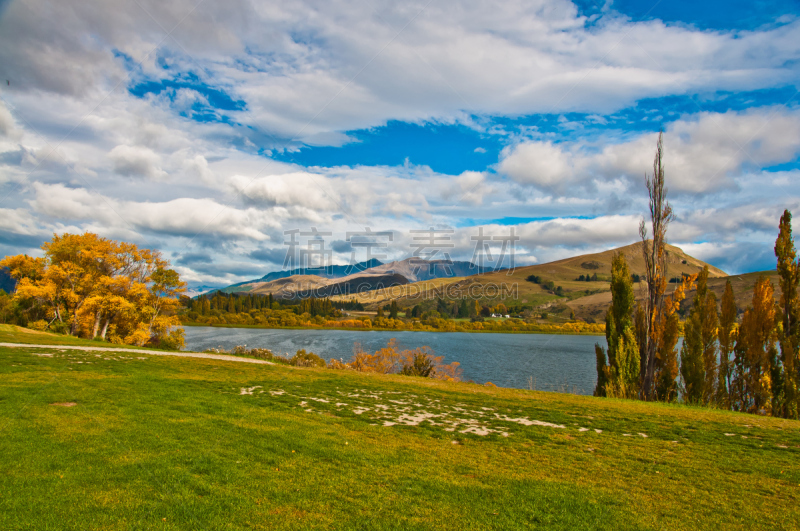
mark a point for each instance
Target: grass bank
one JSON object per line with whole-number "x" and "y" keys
{"x": 115, "y": 441}
{"x": 18, "y": 334}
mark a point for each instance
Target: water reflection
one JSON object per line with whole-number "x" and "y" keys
{"x": 541, "y": 361}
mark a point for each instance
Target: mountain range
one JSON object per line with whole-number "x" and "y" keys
{"x": 363, "y": 276}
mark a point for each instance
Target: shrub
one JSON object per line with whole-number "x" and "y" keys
{"x": 261, "y": 353}
{"x": 59, "y": 327}
{"x": 420, "y": 365}
{"x": 242, "y": 350}
{"x": 40, "y": 325}
{"x": 339, "y": 365}
{"x": 306, "y": 359}
{"x": 172, "y": 341}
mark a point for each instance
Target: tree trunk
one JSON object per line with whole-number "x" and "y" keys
{"x": 105, "y": 327}
{"x": 96, "y": 324}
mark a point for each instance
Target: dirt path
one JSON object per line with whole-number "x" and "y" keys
{"x": 142, "y": 351}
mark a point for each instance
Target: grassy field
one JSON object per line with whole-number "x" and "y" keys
{"x": 118, "y": 441}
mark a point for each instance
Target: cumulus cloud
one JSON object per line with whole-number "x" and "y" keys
{"x": 197, "y": 168}
{"x": 703, "y": 152}
{"x": 470, "y": 187}
{"x": 537, "y": 163}
{"x": 291, "y": 189}
{"x": 136, "y": 161}
{"x": 184, "y": 217}
{"x": 8, "y": 127}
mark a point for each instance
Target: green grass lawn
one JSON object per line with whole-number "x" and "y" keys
{"x": 173, "y": 443}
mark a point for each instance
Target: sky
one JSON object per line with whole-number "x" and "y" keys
{"x": 233, "y": 137}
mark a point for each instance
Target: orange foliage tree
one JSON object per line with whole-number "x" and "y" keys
{"x": 669, "y": 330}
{"x": 96, "y": 287}
{"x": 390, "y": 359}
{"x": 755, "y": 353}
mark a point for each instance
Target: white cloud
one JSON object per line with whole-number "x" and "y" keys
{"x": 197, "y": 168}
{"x": 136, "y": 161}
{"x": 20, "y": 221}
{"x": 185, "y": 217}
{"x": 538, "y": 163}
{"x": 291, "y": 189}
{"x": 702, "y": 153}
{"x": 470, "y": 187}
{"x": 8, "y": 126}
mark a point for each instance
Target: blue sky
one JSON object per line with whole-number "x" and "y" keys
{"x": 209, "y": 131}
{"x": 729, "y": 15}
{"x": 456, "y": 148}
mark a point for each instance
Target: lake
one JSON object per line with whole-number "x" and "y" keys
{"x": 540, "y": 361}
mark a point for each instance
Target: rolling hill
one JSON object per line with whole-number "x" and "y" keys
{"x": 588, "y": 299}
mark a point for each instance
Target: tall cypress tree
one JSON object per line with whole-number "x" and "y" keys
{"x": 619, "y": 376}
{"x": 789, "y": 333}
{"x": 655, "y": 275}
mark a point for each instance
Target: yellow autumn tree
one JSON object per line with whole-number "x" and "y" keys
{"x": 669, "y": 330}
{"x": 97, "y": 287}
{"x": 756, "y": 353}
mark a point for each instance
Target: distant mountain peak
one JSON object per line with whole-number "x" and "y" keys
{"x": 329, "y": 272}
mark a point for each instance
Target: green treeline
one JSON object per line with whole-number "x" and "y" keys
{"x": 257, "y": 309}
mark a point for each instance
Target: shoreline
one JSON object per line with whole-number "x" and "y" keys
{"x": 338, "y": 328}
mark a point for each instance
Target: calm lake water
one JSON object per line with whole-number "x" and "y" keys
{"x": 542, "y": 361}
